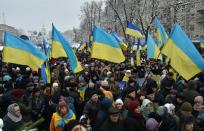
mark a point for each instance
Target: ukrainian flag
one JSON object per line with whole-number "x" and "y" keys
{"x": 19, "y": 51}
{"x": 123, "y": 46}
{"x": 45, "y": 73}
{"x": 82, "y": 46}
{"x": 106, "y": 47}
{"x": 133, "y": 30}
{"x": 138, "y": 57}
{"x": 162, "y": 36}
{"x": 45, "y": 70}
{"x": 152, "y": 49}
{"x": 62, "y": 48}
{"x": 202, "y": 42}
{"x": 185, "y": 58}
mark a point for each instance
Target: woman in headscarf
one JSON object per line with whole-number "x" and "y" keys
{"x": 147, "y": 108}
{"x": 13, "y": 119}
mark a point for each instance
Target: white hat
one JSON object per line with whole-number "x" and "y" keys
{"x": 17, "y": 69}
{"x": 55, "y": 85}
{"x": 1, "y": 124}
{"x": 128, "y": 71}
{"x": 27, "y": 68}
{"x": 119, "y": 101}
{"x": 109, "y": 73}
{"x": 86, "y": 65}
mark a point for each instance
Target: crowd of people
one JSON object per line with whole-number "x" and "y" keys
{"x": 103, "y": 97}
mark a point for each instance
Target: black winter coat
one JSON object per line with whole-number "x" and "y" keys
{"x": 108, "y": 125}
{"x": 133, "y": 123}
{"x": 10, "y": 125}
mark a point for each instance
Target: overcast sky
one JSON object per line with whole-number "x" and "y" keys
{"x": 32, "y": 14}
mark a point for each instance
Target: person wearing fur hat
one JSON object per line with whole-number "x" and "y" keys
{"x": 13, "y": 119}
{"x": 62, "y": 117}
{"x": 113, "y": 122}
{"x": 135, "y": 120}
{"x": 120, "y": 106}
{"x": 92, "y": 106}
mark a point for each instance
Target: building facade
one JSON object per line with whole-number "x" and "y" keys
{"x": 188, "y": 13}
{"x": 4, "y": 27}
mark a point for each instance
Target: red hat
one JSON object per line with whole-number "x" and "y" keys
{"x": 18, "y": 92}
{"x": 133, "y": 105}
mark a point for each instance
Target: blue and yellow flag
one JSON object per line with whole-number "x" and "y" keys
{"x": 152, "y": 49}
{"x": 122, "y": 44}
{"x": 45, "y": 69}
{"x": 62, "y": 48}
{"x": 133, "y": 30}
{"x": 161, "y": 33}
{"x": 202, "y": 42}
{"x": 105, "y": 47}
{"x": 138, "y": 57}
{"x": 82, "y": 46}
{"x": 183, "y": 55}
{"x": 45, "y": 73}
{"x": 19, "y": 51}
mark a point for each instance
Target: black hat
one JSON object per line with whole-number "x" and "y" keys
{"x": 149, "y": 91}
{"x": 113, "y": 110}
{"x": 30, "y": 84}
{"x": 130, "y": 90}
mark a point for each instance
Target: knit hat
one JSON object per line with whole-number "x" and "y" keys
{"x": 113, "y": 110}
{"x": 55, "y": 85}
{"x": 149, "y": 91}
{"x": 170, "y": 107}
{"x": 130, "y": 90}
{"x": 93, "y": 93}
{"x": 133, "y": 105}
{"x": 151, "y": 124}
{"x": 17, "y": 92}
{"x": 6, "y": 78}
{"x": 119, "y": 101}
{"x": 186, "y": 106}
{"x": 161, "y": 111}
{"x": 27, "y": 68}
{"x": 192, "y": 84}
{"x": 198, "y": 99}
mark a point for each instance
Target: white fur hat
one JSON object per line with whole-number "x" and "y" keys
{"x": 1, "y": 124}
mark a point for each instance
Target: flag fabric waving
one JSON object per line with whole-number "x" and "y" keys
{"x": 162, "y": 35}
{"x": 183, "y": 55}
{"x": 152, "y": 49}
{"x": 122, "y": 44}
{"x": 19, "y": 51}
{"x": 62, "y": 48}
{"x": 133, "y": 30}
{"x": 105, "y": 47}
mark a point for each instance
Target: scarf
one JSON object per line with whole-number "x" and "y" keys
{"x": 15, "y": 117}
